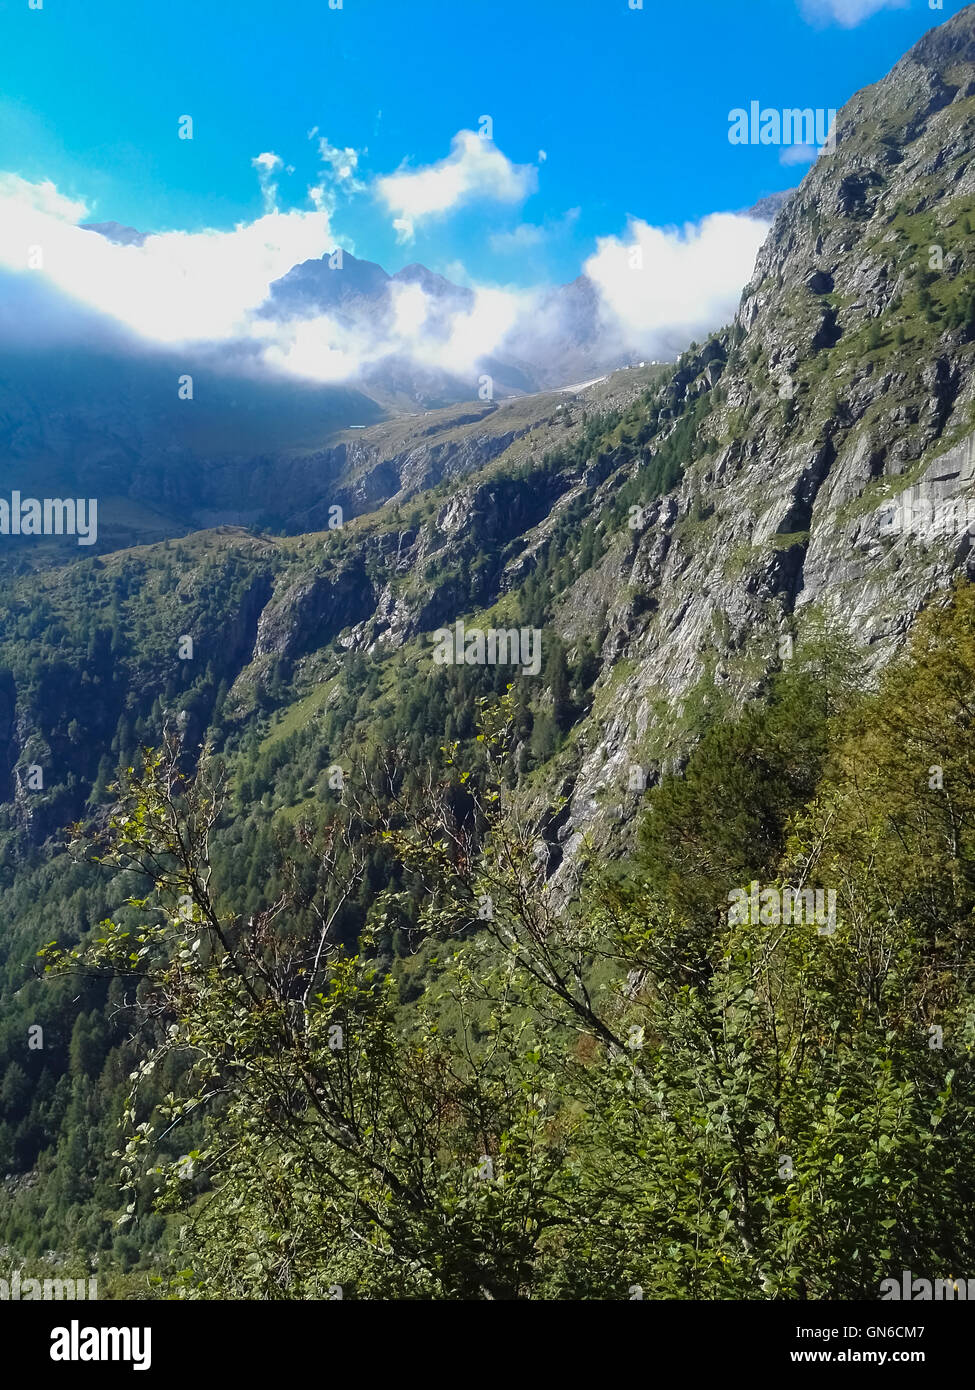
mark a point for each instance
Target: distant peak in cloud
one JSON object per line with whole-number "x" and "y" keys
{"x": 275, "y": 297}
{"x": 428, "y": 280}
{"x": 117, "y": 232}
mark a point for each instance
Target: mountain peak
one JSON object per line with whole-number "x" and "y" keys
{"x": 117, "y": 232}
{"x": 429, "y": 281}
{"x": 951, "y": 42}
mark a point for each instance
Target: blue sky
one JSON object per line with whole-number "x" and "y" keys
{"x": 630, "y": 107}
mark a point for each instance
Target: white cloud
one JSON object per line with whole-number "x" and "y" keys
{"x": 456, "y": 272}
{"x": 411, "y": 308}
{"x": 339, "y": 174}
{"x": 327, "y": 350}
{"x": 523, "y": 237}
{"x": 848, "y": 13}
{"x": 177, "y": 287}
{"x": 480, "y": 332}
{"x": 799, "y": 154}
{"x": 42, "y": 198}
{"x": 267, "y": 166}
{"x": 528, "y": 234}
{"x": 664, "y": 286}
{"x": 475, "y": 168}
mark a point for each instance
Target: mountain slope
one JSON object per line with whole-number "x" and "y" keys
{"x": 842, "y": 391}
{"x": 843, "y": 388}
{"x": 666, "y": 536}
{"x": 667, "y": 549}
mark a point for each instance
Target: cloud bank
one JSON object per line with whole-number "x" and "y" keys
{"x": 665, "y": 286}
{"x": 328, "y": 348}
{"x": 176, "y": 287}
{"x": 648, "y": 291}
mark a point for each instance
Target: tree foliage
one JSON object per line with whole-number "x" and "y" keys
{"x": 592, "y": 1097}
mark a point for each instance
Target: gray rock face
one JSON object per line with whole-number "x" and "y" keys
{"x": 844, "y": 475}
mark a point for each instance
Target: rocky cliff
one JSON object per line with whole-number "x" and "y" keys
{"x": 841, "y": 408}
